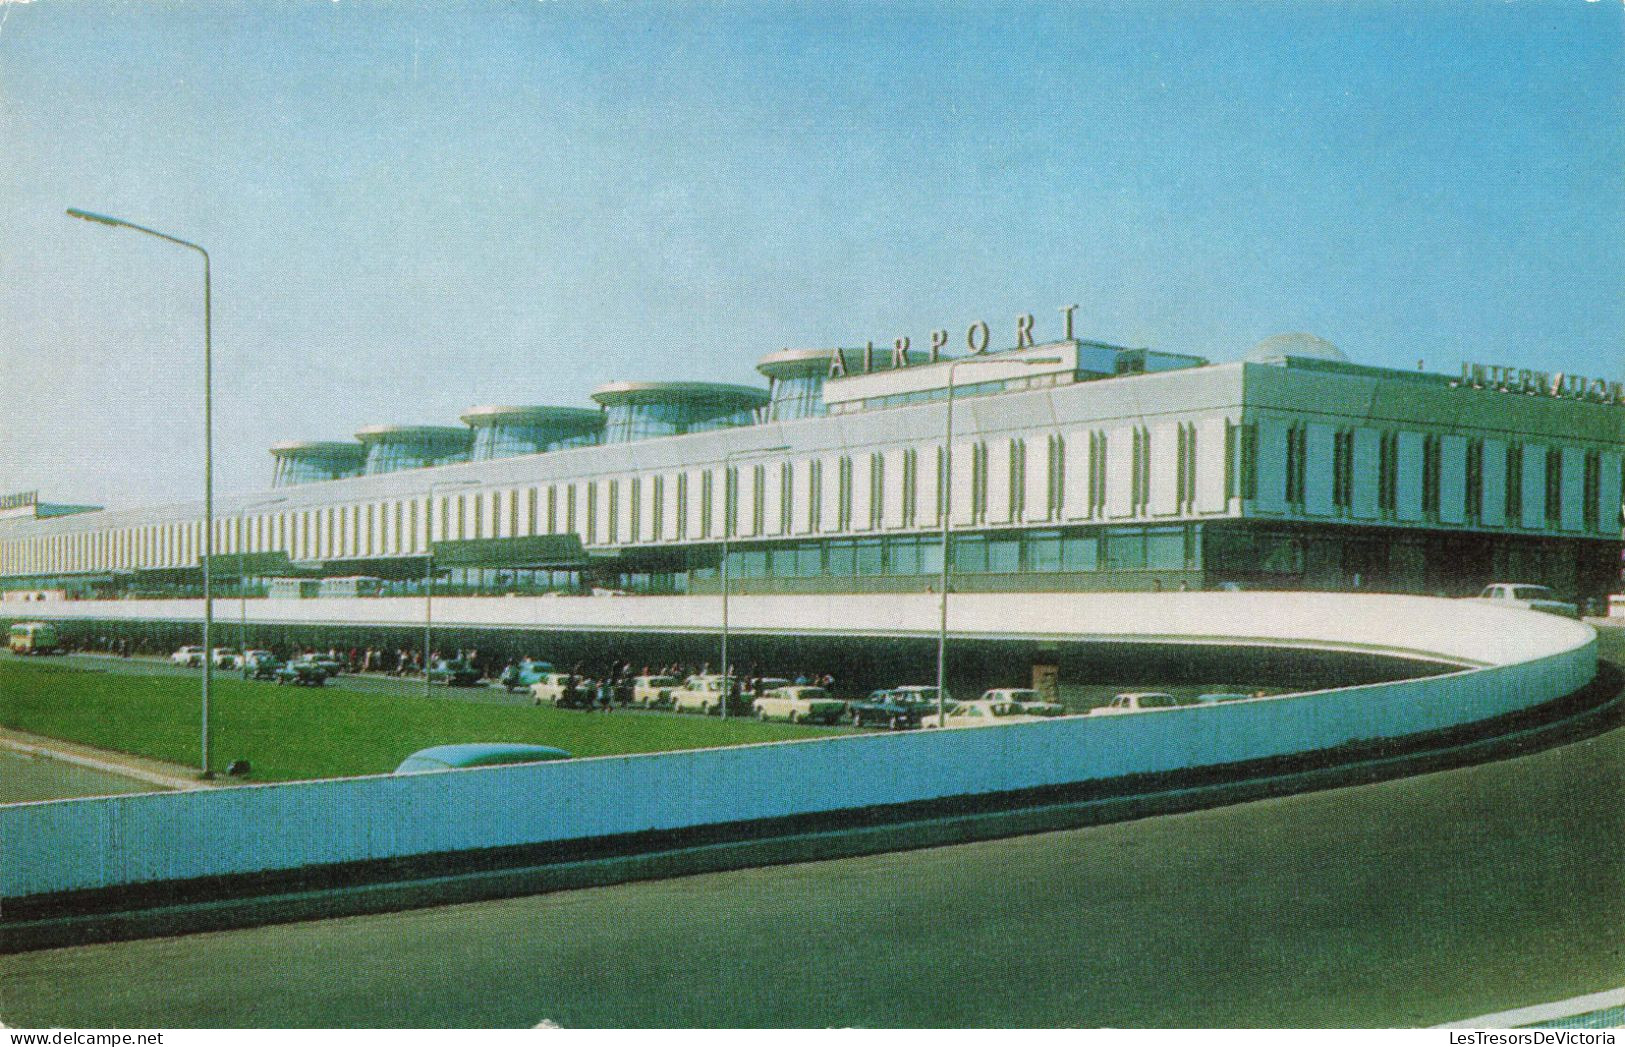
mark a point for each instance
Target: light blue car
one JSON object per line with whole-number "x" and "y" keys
{"x": 478, "y": 754}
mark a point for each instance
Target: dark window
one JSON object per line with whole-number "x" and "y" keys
{"x": 1475, "y": 481}
{"x": 1343, "y": 469}
{"x": 1592, "y": 498}
{"x": 1388, "y": 473}
{"x": 1296, "y": 451}
{"x": 1432, "y": 466}
{"x": 1554, "y": 486}
{"x": 1514, "y": 492}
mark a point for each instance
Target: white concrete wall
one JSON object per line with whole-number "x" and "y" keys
{"x": 1523, "y": 659}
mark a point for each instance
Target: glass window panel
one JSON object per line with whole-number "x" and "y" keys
{"x": 903, "y": 556}
{"x": 1080, "y": 553}
{"x": 1125, "y": 550}
{"x": 870, "y": 556}
{"x": 970, "y": 553}
{"x": 842, "y": 559}
{"x": 1044, "y": 551}
{"x": 1004, "y": 554}
{"x": 809, "y": 560}
{"x": 1165, "y": 549}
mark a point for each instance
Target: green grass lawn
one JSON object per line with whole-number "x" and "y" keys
{"x": 294, "y": 732}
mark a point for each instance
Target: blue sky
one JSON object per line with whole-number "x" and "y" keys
{"x": 415, "y": 209}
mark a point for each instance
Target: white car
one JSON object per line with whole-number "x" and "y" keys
{"x": 226, "y": 658}
{"x": 1029, "y": 700}
{"x": 554, "y": 689}
{"x": 982, "y": 714}
{"x": 699, "y": 694}
{"x": 1528, "y": 597}
{"x": 799, "y": 705}
{"x": 190, "y": 657}
{"x": 1139, "y": 702}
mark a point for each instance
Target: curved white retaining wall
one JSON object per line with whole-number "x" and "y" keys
{"x": 1520, "y": 659}
{"x": 1465, "y": 632}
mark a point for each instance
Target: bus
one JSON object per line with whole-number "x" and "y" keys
{"x": 33, "y": 638}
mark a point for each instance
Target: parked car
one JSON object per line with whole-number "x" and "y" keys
{"x": 1528, "y": 597}
{"x": 331, "y": 664}
{"x": 1138, "y": 702}
{"x": 454, "y": 672}
{"x": 915, "y": 694}
{"x": 564, "y": 691}
{"x": 227, "y": 658}
{"x": 981, "y": 714}
{"x": 302, "y": 672}
{"x": 260, "y": 665}
{"x": 519, "y": 675}
{"x": 653, "y": 692}
{"x": 190, "y": 657}
{"x": 1029, "y": 700}
{"x": 477, "y": 754}
{"x": 701, "y": 694}
{"x": 898, "y": 710}
{"x": 799, "y": 705}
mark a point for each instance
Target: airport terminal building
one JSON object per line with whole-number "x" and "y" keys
{"x": 1074, "y": 465}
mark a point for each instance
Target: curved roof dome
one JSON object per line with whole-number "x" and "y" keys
{"x": 1277, "y": 348}
{"x": 430, "y": 434}
{"x": 506, "y": 414}
{"x": 742, "y": 396}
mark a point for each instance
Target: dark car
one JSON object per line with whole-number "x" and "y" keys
{"x": 261, "y": 665}
{"x": 302, "y": 672}
{"x": 896, "y": 710}
{"x": 518, "y": 676}
{"x": 454, "y": 672}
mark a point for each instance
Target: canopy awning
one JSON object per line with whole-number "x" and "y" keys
{"x": 546, "y": 551}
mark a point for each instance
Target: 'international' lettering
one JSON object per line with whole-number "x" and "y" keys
{"x": 1558, "y": 385}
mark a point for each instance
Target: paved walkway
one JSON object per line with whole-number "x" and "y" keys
{"x": 152, "y": 772}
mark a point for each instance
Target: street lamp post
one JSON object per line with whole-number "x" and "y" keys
{"x": 727, "y": 530}
{"x": 208, "y": 459}
{"x": 946, "y": 482}
{"x": 428, "y": 571}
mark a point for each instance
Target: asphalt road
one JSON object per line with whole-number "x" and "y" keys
{"x": 1404, "y": 903}
{"x": 24, "y": 777}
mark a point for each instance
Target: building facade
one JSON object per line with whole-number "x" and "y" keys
{"x": 1073, "y": 466}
